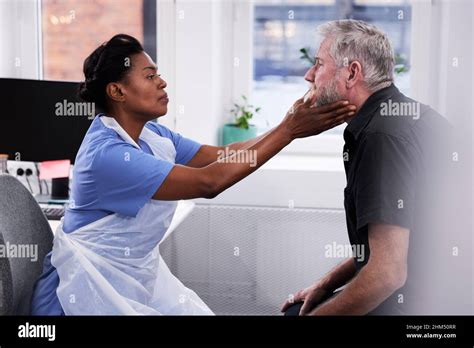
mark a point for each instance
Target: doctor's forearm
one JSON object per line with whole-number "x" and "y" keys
{"x": 208, "y": 154}
{"x": 243, "y": 145}
{"x": 185, "y": 182}
{"x": 232, "y": 169}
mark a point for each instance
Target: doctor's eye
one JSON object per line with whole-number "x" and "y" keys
{"x": 150, "y": 77}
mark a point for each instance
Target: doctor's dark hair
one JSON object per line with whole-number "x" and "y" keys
{"x": 110, "y": 62}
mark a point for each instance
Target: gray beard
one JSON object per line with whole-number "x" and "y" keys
{"x": 328, "y": 94}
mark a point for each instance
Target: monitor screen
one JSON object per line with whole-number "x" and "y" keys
{"x": 42, "y": 120}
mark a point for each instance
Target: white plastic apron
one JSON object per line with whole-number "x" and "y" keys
{"x": 113, "y": 266}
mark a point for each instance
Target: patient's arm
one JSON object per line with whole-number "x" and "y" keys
{"x": 339, "y": 275}
{"x": 313, "y": 294}
{"x": 385, "y": 272}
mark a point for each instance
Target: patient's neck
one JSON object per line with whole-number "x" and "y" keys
{"x": 358, "y": 96}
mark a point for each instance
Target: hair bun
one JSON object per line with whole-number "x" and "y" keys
{"x": 91, "y": 64}
{"x": 105, "y": 65}
{"x": 85, "y": 92}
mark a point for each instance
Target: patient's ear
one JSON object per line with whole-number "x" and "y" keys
{"x": 354, "y": 74}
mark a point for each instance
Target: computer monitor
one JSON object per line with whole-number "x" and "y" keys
{"x": 42, "y": 120}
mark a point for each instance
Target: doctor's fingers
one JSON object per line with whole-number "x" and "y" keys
{"x": 326, "y": 108}
{"x": 340, "y": 112}
{"x": 335, "y": 118}
{"x": 296, "y": 105}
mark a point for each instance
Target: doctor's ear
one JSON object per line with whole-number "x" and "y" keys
{"x": 115, "y": 92}
{"x": 355, "y": 73}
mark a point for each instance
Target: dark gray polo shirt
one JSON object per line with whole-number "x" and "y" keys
{"x": 388, "y": 155}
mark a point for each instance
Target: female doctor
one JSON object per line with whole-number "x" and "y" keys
{"x": 128, "y": 175}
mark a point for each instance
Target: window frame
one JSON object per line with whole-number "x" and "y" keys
{"x": 149, "y": 14}
{"x": 321, "y": 145}
{"x": 20, "y": 39}
{"x": 166, "y": 13}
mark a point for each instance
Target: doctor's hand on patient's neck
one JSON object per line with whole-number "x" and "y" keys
{"x": 303, "y": 120}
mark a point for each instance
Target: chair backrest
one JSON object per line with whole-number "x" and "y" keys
{"x": 25, "y": 239}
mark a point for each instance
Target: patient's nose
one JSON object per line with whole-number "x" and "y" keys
{"x": 309, "y": 76}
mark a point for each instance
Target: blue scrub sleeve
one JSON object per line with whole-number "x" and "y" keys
{"x": 126, "y": 177}
{"x": 185, "y": 147}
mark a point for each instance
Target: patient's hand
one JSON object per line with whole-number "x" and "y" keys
{"x": 311, "y": 296}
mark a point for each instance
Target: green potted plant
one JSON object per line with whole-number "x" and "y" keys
{"x": 241, "y": 129}
{"x": 401, "y": 65}
{"x": 305, "y": 56}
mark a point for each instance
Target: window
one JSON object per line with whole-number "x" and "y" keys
{"x": 283, "y": 27}
{"x": 72, "y": 29}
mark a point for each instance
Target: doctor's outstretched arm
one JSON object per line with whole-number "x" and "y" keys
{"x": 184, "y": 182}
{"x": 208, "y": 154}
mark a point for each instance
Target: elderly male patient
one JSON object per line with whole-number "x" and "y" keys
{"x": 388, "y": 145}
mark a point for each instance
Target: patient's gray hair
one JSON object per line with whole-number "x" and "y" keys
{"x": 357, "y": 40}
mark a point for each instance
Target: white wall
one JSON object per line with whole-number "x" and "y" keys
{"x": 290, "y": 181}
{"x": 442, "y": 40}
{"x": 20, "y": 39}
{"x": 203, "y": 65}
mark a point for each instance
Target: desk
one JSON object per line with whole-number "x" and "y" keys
{"x": 183, "y": 210}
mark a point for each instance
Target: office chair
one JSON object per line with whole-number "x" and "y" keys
{"x": 22, "y": 226}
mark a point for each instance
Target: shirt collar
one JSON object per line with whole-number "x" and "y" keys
{"x": 367, "y": 111}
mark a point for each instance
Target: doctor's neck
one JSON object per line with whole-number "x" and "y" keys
{"x": 132, "y": 124}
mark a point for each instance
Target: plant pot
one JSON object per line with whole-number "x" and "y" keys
{"x": 232, "y": 133}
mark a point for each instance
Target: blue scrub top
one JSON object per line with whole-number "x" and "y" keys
{"x": 103, "y": 184}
